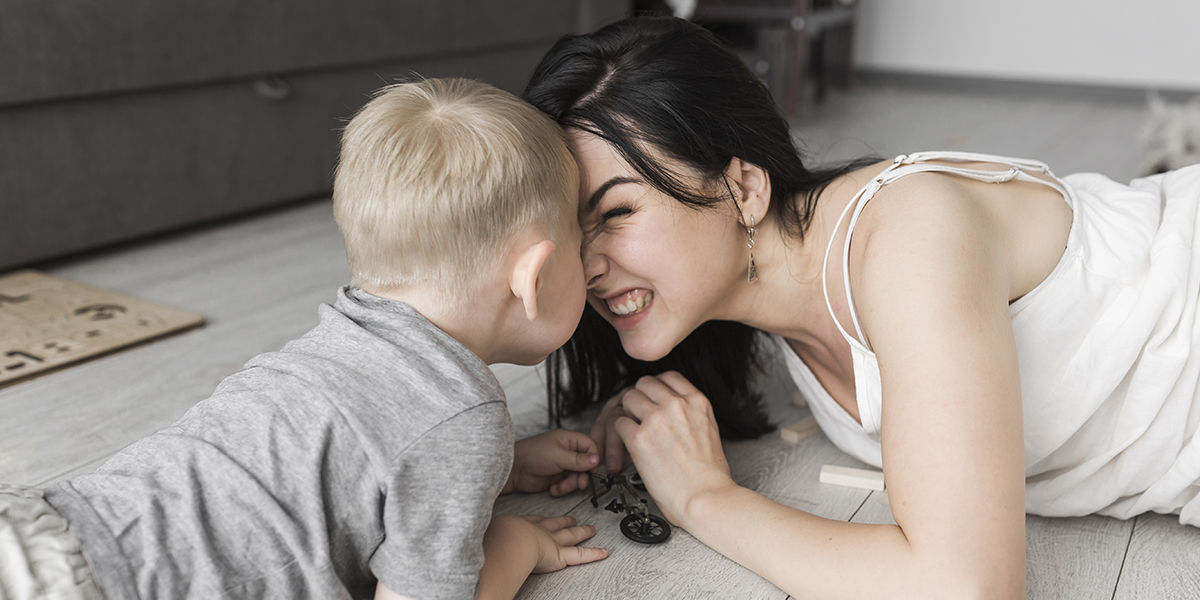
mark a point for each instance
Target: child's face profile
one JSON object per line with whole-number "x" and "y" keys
{"x": 563, "y": 289}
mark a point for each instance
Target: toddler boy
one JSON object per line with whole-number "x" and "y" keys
{"x": 364, "y": 457}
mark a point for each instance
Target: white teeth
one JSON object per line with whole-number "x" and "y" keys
{"x": 634, "y": 302}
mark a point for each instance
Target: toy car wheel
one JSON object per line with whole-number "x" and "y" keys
{"x": 652, "y": 529}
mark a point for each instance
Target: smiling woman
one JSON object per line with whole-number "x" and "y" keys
{"x": 643, "y": 108}
{"x": 1030, "y": 341}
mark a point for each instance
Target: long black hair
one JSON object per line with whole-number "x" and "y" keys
{"x": 667, "y": 87}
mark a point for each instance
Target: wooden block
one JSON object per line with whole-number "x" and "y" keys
{"x": 851, "y": 477}
{"x": 796, "y": 432}
{"x": 798, "y": 399}
{"x": 47, "y": 322}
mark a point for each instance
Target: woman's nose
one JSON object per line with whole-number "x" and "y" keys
{"x": 595, "y": 267}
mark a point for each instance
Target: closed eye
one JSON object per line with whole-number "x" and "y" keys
{"x": 616, "y": 212}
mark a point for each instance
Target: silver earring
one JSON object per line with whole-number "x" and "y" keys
{"x": 752, "y": 271}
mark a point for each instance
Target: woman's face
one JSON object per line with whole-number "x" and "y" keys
{"x": 656, "y": 268}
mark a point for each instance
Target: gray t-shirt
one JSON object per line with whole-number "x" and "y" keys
{"x": 373, "y": 447}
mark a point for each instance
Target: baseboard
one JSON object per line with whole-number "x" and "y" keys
{"x": 1018, "y": 86}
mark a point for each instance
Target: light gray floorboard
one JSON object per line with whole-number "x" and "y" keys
{"x": 1163, "y": 561}
{"x": 1073, "y": 559}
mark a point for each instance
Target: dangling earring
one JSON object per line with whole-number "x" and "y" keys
{"x": 752, "y": 271}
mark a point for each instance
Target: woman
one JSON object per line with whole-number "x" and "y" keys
{"x": 1030, "y": 342}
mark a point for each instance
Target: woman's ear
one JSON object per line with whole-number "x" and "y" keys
{"x": 752, "y": 189}
{"x": 526, "y": 277}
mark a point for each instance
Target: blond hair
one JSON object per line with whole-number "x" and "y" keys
{"x": 436, "y": 177}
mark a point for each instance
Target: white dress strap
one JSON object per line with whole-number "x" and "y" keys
{"x": 916, "y": 163}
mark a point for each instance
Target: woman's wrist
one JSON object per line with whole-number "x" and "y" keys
{"x": 708, "y": 505}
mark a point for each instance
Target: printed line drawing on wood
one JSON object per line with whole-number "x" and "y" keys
{"x": 47, "y": 322}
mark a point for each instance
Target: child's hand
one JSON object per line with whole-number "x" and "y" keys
{"x": 558, "y": 543}
{"x": 557, "y": 539}
{"x": 557, "y": 459}
{"x": 515, "y": 546}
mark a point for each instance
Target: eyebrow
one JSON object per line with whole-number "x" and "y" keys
{"x": 600, "y": 191}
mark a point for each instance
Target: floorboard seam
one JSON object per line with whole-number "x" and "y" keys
{"x": 1121, "y": 569}
{"x": 860, "y": 507}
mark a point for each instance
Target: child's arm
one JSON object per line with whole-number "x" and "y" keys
{"x": 515, "y": 546}
{"x": 557, "y": 459}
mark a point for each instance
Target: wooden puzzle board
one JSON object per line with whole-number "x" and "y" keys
{"x": 47, "y": 322}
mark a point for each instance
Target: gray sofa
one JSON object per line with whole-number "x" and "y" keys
{"x": 122, "y": 120}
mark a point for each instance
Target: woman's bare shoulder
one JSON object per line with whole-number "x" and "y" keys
{"x": 919, "y": 210}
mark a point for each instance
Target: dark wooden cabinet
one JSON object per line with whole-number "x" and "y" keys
{"x": 789, "y": 43}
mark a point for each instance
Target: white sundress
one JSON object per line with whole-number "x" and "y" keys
{"x": 1108, "y": 346}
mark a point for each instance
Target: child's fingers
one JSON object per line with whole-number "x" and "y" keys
{"x": 576, "y": 441}
{"x": 576, "y": 555}
{"x": 583, "y": 461}
{"x": 553, "y": 524}
{"x": 558, "y": 487}
{"x": 565, "y": 485}
{"x": 571, "y": 536}
{"x": 568, "y": 482}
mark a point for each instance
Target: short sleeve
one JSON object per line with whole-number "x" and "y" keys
{"x": 438, "y": 503}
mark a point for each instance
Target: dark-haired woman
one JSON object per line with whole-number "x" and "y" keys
{"x": 1030, "y": 342}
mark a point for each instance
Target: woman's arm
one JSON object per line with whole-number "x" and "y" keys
{"x": 932, "y": 288}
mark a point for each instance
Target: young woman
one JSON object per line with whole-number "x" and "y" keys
{"x": 1030, "y": 342}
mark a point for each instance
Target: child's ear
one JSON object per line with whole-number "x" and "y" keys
{"x": 526, "y": 277}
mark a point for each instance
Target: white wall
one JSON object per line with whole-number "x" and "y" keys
{"x": 1126, "y": 43}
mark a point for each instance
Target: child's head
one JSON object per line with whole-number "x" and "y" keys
{"x": 450, "y": 185}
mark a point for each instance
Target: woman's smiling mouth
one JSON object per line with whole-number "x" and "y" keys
{"x": 628, "y": 308}
{"x": 629, "y": 302}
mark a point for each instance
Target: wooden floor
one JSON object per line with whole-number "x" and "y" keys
{"x": 258, "y": 282}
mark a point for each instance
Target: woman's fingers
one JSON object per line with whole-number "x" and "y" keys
{"x": 625, "y": 427}
{"x": 614, "y": 447}
{"x": 608, "y": 444}
{"x": 655, "y": 389}
{"x": 679, "y": 384}
{"x": 638, "y": 404}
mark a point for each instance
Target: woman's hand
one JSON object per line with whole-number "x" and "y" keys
{"x": 674, "y": 442}
{"x": 604, "y": 433}
{"x": 557, "y": 459}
